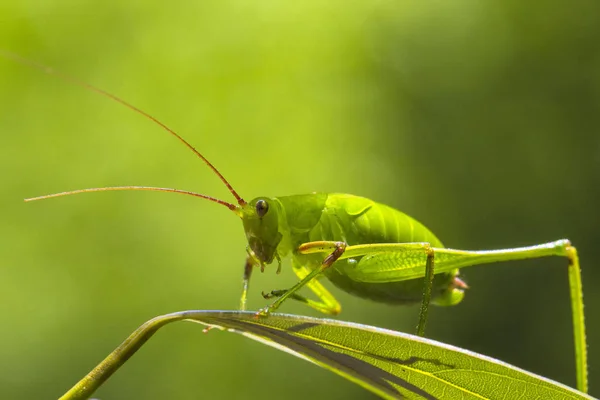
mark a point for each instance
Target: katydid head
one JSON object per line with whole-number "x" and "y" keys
{"x": 261, "y": 224}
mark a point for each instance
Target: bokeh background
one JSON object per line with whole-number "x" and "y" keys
{"x": 482, "y": 120}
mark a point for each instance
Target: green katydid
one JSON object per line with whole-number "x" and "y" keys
{"x": 363, "y": 247}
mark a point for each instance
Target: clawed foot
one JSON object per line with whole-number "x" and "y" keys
{"x": 274, "y": 293}
{"x": 263, "y": 312}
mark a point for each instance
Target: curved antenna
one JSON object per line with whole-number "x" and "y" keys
{"x": 232, "y": 207}
{"x": 67, "y": 78}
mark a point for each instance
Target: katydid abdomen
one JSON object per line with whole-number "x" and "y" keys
{"x": 357, "y": 220}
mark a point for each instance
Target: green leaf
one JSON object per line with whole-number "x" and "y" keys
{"x": 391, "y": 364}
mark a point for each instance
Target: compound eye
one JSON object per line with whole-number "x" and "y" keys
{"x": 261, "y": 208}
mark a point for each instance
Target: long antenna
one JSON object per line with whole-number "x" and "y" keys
{"x": 52, "y": 71}
{"x": 232, "y": 207}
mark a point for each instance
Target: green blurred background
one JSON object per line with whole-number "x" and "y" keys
{"x": 479, "y": 119}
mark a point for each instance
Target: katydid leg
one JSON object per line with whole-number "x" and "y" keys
{"x": 392, "y": 262}
{"x": 246, "y": 282}
{"x": 429, "y": 274}
{"x": 414, "y": 251}
{"x": 329, "y": 260}
{"x": 326, "y": 304}
{"x": 562, "y": 248}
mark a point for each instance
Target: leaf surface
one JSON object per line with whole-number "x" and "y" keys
{"x": 392, "y": 364}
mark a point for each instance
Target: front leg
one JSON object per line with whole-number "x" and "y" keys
{"x": 246, "y": 281}
{"x": 338, "y": 249}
